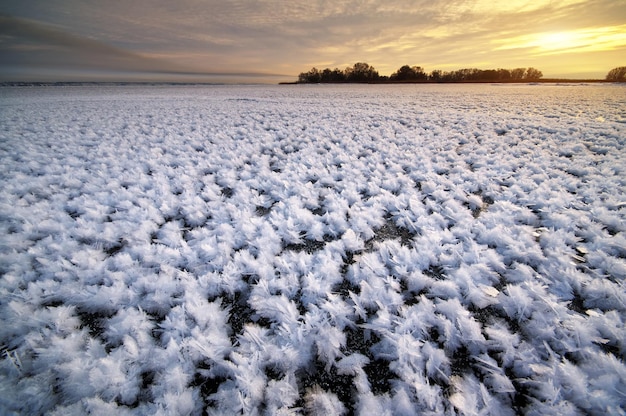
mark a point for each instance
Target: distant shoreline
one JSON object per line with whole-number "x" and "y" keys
{"x": 152, "y": 83}
{"x": 112, "y": 83}
{"x": 538, "y": 81}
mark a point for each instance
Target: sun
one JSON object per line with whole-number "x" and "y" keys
{"x": 596, "y": 39}
{"x": 559, "y": 41}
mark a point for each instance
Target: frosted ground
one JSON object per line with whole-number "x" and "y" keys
{"x": 313, "y": 249}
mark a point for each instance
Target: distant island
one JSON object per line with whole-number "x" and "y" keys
{"x": 364, "y": 73}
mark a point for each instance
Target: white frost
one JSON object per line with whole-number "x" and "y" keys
{"x": 313, "y": 249}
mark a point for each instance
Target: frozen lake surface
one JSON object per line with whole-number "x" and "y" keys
{"x": 401, "y": 250}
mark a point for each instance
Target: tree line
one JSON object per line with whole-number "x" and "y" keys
{"x": 362, "y": 72}
{"x": 617, "y": 74}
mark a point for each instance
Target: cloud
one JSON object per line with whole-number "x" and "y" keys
{"x": 29, "y": 42}
{"x": 272, "y": 36}
{"x": 43, "y": 52}
{"x": 572, "y": 41}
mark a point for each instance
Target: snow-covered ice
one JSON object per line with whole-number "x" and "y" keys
{"x": 425, "y": 249}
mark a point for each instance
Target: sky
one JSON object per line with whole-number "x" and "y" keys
{"x": 272, "y": 41}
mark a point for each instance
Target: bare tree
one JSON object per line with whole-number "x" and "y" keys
{"x": 533, "y": 74}
{"x": 617, "y": 74}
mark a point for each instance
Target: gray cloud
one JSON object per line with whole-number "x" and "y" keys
{"x": 43, "y": 51}
{"x": 20, "y": 35}
{"x": 272, "y": 36}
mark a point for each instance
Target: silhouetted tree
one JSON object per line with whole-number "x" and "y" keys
{"x": 361, "y": 72}
{"x": 436, "y": 75}
{"x": 332, "y": 76}
{"x": 533, "y": 74}
{"x": 313, "y": 76}
{"x": 408, "y": 73}
{"x": 365, "y": 73}
{"x": 617, "y": 74}
{"x": 504, "y": 74}
{"x": 465, "y": 74}
{"x": 517, "y": 74}
{"x": 489, "y": 75}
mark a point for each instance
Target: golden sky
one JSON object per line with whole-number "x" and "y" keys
{"x": 92, "y": 39}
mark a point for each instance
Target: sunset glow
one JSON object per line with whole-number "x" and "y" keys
{"x": 563, "y": 38}
{"x": 574, "y": 41}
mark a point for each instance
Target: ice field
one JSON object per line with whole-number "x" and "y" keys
{"x": 318, "y": 249}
